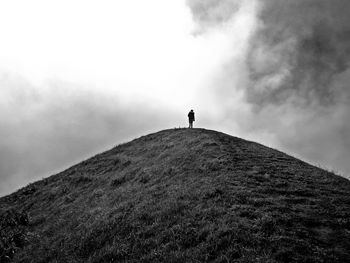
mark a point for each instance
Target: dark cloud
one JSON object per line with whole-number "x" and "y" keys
{"x": 44, "y": 132}
{"x": 299, "y": 51}
{"x": 297, "y": 70}
{"x": 212, "y": 12}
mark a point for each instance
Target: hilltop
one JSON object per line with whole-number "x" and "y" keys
{"x": 182, "y": 195}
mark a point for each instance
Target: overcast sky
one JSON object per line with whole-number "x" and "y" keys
{"x": 78, "y": 77}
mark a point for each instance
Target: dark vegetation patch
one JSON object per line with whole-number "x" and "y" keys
{"x": 182, "y": 196}
{"x": 118, "y": 181}
{"x": 13, "y": 233}
{"x": 80, "y": 180}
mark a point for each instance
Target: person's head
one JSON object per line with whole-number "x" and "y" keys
{"x": 191, "y": 110}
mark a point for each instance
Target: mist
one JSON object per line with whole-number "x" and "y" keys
{"x": 43, "y": 133}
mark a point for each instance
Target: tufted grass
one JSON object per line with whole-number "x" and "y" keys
{"x": 185, "y": 195}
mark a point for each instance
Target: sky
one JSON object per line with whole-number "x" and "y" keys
{"x": 81, "y": 76}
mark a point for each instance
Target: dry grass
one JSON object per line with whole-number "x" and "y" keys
{"x": 187, "y": 196}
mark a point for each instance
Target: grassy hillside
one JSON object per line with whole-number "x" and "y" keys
{"x": 186, "y": 196}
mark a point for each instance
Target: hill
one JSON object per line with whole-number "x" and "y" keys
{"x": 181, "y": 195}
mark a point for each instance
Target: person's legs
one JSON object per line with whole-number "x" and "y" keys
{"x": 191, "y": 124}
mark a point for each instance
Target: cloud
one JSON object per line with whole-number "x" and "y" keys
{"x": 212, "y": 12}
{"x": 298, "y": 52}
{"x": 43, "y": 132}
{"x": 293, "y": 72}
{"x": 104, "y": 74}
{"x": 272, "y": 71}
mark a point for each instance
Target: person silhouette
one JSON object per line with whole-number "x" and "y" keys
{"x": 191, "y": 119}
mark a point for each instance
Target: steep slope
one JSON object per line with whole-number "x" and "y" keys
{"x": 186, "y": 195}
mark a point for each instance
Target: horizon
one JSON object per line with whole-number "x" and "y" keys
{"x": 78, "y": 77}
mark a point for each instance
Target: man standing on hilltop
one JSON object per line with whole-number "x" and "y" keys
{"x": 191, "y": 118}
